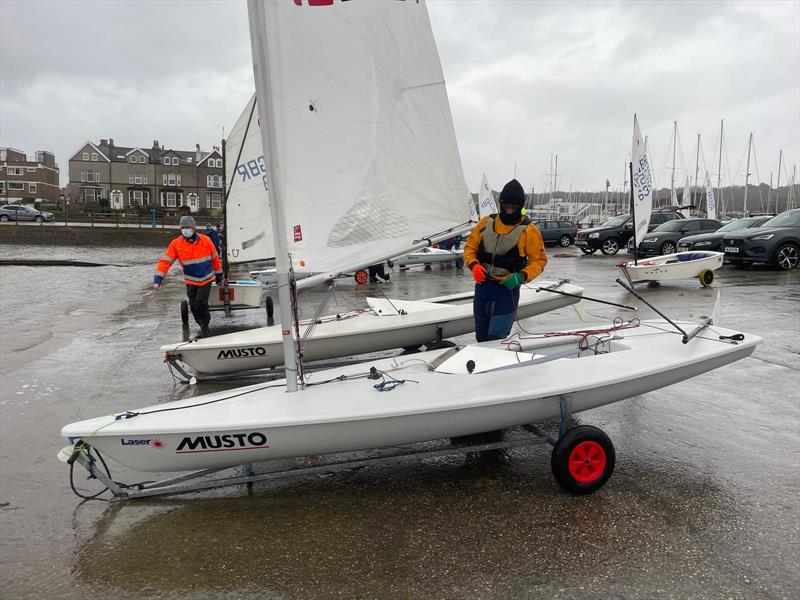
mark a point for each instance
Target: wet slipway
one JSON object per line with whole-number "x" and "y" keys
{"x": 703, "y": 502}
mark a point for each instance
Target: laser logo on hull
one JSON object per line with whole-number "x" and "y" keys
{"x": 242, "y": 352}
{"x": 222, "y": 443}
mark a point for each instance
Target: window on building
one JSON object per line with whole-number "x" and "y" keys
{"x": 132, "y": 159}
{"x": 32, "y": 188}
{"x": 94, "y": 155}
{"x": 189, "y": 159}
{"x": 165, "y": 160}
{"x": 89, "y": 194}
{"x": 2, "y": 185}
{"x": 171, "y": 179}
{"x": 171, "y": 198}
{"x": 16, "y": 185}
{"x": 16, "y": 170}
{"x": 214, "y": 201}
{"x": 85, "y": 156}
{"x": 141, "y": 159}
{"x": 175, "y": 160}
{"x": 31, "y": 169}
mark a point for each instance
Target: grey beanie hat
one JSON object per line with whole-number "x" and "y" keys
{"x": 188, "y": 221}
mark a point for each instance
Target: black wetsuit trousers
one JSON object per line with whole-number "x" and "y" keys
{"x": 198, "y": 303}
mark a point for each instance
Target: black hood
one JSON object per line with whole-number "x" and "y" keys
{"x": 753, "y": 231}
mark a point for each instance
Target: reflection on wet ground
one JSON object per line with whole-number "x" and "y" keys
{"x": 703, "y": 502}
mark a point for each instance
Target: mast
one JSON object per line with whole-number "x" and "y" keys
{"x": 674, "y": 149}
{"x": 697, "y": 167}
{"x": 747, "y": 172}
{"x": 259, "y": 43}
{"x": 555, "y": 183}
{"x": 769, "y": 193}
{"x": 225, "y": 265}
{"x": 778, "y": 186}
{"x": 719, "y": 171}
{"x": 633, "y": 218}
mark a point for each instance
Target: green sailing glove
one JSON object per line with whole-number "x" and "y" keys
{"x": 512, "y": 281}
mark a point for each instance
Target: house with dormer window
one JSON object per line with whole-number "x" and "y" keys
{"x": 124, "y": 177}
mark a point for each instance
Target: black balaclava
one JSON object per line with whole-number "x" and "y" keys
{"x": 512, "y": 194}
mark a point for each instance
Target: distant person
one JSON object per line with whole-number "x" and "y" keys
{"x": 214, "y": 236}
{"x": 503, "y": 251}
{"x": 376, "y": 271}
{"x": 201, "y": 266}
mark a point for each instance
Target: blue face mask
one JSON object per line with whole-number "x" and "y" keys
{"x": 187, "y": 233}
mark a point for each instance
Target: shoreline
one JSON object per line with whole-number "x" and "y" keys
{"x": 48, "y": 235}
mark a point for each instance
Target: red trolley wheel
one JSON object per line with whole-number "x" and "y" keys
{"x": 583, "y": 460}
{"x": 361, "y": 276}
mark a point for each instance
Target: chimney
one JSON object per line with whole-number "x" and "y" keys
{"x": 198, "y": 154}
{"x": 104, "y": 142}
{"x": 111, "y": 142}
{"x": 155, "y": 145}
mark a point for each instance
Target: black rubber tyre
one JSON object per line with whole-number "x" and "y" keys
{"x": 439, "y": 345}
{"x": 588, "y": 250}
{"x": 361, "y": 276}
{"x": 39, "y": 219}
{"x": 389, "y": 264}
{"x": 3, "y": 217}
{"x": 706, "y": 277}
{"x": 787, "y": 257}
{"x": 185, "y": 312}
{"x": 270, "y": 309}
{"x": 583, "y": 460}
{"x": 564, "y": 241}
{"x": 610, "y": 246}
{"x": 668, "y": 248}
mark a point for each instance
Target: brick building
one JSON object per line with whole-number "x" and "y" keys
{"x": 125, "y": 177}
{"x": 34, "y": 180}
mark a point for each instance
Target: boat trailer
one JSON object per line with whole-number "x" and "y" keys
{"x": 582, "y": 461}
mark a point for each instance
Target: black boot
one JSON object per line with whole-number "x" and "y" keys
{"x": 204, "y": 331}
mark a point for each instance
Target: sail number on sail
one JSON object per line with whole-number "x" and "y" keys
{"x": 252, "y": 169}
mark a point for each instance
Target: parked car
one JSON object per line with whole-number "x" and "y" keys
{"x": 615, "y": 233}
{"x": 776, "y": 242}
{"x": 557, "y": 232}
{"x": 664, "y": 238}
{"x": 19, "y": 212}
{"x": 713, "y": 241}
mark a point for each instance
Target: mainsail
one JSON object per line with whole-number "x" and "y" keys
{"x": 486, "y": 203}
{"x": 247, "y": 219}
{"x": 711, "y": 204}
{"x": 366, "y": 161}
{"x": 687, "y": 196}
{"x": 642, "y": 183}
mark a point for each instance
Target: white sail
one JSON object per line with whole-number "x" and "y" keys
{"x": 366, "y": 160}
{"x": 642, "y": 182}
{"x": 711, "y": 204}
{"x": 247, "y": 219}
{"x": 486, "y": 203}
{"x": 687, "y": 196}
{"x": 473, "y": 212}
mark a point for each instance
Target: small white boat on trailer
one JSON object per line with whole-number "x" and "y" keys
{"x": 387, "y": 324}
{"x": 438, "y": 394}
{"x": 671, "y": 267}
{"x": 429, "y": 256}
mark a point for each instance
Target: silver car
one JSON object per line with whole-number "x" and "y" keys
{"x": 20, "y": 212}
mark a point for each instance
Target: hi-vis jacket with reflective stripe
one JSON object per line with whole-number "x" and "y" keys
{"x": 197, "y": 255}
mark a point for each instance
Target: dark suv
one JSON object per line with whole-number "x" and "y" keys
{"x": 664, "y": 238}
{"x": 713, "y": 241}
{"x": 776, "y": 242}
{"x": 557, "y": 232}
{"x": 615, "y": 233}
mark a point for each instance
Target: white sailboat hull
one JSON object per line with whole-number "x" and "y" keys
{"x": 243, "y": 294}
{"x": 423, "y": 323}
{"x": 263, "y": 422}
{"x": 429, "y": 256}
{"x": 670, "y": 267}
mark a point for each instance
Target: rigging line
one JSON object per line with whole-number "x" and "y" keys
{"x": 312, "y": 325}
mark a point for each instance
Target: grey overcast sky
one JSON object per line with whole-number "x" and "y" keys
{"x": 526, "y": 80}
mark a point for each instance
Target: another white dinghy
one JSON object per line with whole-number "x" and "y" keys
{"x": 671, "y": 267}
{"x": 387, "y": 324}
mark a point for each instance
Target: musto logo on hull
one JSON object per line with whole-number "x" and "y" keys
{"x": 242, "y": 352}
{"x": 222, "y": 443}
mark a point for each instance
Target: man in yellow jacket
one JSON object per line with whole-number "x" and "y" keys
{"x": 503, "y": 251}
{"x": 201, "y": 266}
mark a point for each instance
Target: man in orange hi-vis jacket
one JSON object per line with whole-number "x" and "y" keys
{"x": 503, "y": 251}
{"x": 201, "y": 266}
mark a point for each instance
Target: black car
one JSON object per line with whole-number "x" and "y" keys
{"x": 713, "y": 241}
{"x": 664, "y": 238}
{"x": 615, "y": 233}
{"x": 557, "y": 232}
{"x": 776, "y": 242}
